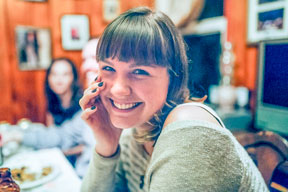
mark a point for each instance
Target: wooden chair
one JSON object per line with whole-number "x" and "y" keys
{"x": 269, "y": 151}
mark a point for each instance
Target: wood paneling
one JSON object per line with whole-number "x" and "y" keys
{"x": 27, "y": 86}
{"x": 246, "y": 57}
{"x": 22, "y": 92}
{"x": 5, "y": 83}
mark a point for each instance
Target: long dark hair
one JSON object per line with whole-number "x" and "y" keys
{"x": 149, "y": 37}
{"x": 54, "y": 103}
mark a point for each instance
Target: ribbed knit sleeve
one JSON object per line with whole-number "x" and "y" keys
{"x": 102, "y": 175}
{"x": 123, "y": 172}
{"x": 200, "y": 156}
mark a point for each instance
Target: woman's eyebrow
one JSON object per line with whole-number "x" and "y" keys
{"x": 108, "y": 62}
{"x": 142, "y": 64}
{"x": 133, "y": 65}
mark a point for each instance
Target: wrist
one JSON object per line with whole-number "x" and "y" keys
{"x": 107, "y": 153}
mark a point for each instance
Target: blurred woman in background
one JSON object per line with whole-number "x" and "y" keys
{"x": 90, "y": 67}
{"x": 62, "y": 90}
{"x": 66, "y": 130}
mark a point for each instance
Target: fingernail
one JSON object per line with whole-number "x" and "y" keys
{"x": 94, "y": 90}
{"x": 93, "y": 107}
{"x": 100, "y": 84}
{"x": 96, "y": 78}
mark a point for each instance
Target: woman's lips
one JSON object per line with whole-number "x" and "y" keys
{"x": 125, "y": 106}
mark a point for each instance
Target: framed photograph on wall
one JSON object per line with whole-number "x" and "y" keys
{"x": 33, "y": 47}
{"x": 267, "y": 20}
{"x": 74, "y": 31}
{"x": 111, "y": 9}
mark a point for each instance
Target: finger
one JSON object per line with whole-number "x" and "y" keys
{"x": 85, "y": 101}
{"x": 90, "y": 97}
{"x": 97, "y": 79}
{"x": 93, "y": 86}
{"x": 88, "y": 112}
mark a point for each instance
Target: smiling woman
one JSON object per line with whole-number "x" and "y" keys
{"x": 148, "y": 137}
{"x": 130, "y": 89}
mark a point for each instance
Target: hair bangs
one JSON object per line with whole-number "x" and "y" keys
{"x": 146, "y": 37}
{"x": 135, "y": 39}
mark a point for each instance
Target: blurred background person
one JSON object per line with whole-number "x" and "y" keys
{"x": 90, "y": 67}
{"x": 62, "y": 90}
{"x": 66, "y": 129}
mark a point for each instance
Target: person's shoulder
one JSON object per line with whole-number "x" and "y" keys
{"x": 192, "y": 111}
{"x": 189, "y": 142}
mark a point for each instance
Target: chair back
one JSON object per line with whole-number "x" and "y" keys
{"x": 269, "y": 152}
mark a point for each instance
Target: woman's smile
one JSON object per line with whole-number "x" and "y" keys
{"x": 125, "y": 106}
{"x": 130, "y": 90}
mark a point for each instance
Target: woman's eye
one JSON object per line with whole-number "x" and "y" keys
{"x": 140, "y": 72}
{"x": 107, "y": 68}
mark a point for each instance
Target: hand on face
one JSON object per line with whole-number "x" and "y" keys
{"x": 130, "y": 95}
{"x": 96, "y": 116}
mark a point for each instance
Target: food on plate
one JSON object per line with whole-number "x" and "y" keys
{"x": 23, "y": 174}
{"x": 46, "y": 171}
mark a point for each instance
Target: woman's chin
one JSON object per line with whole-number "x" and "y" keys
{"x": 123, "y": 125}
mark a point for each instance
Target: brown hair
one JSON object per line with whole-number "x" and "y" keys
{"x": 148, "y": 37}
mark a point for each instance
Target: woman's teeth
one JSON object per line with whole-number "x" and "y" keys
{"x": 125, "y": 106}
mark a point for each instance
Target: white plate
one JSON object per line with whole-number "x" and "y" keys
{"x": 35, "y": 165}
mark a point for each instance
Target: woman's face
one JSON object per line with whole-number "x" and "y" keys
{"x": 61, "y": 77}
{"x": 133, "y": 93}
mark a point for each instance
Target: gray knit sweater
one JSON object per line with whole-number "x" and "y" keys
{"x": 189, "y": 155}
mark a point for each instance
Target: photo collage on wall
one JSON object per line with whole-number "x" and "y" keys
{"x": 74, "y": 31}
{"x": 267, "y": 20}
{"x": 33, "y": 47}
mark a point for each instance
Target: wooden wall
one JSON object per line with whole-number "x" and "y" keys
{"x": 246, "y": 56}
{"x": 21, "y": 92}
{"x": 5, "y": 69}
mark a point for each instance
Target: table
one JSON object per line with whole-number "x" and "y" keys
{"x": 66, "y": 179}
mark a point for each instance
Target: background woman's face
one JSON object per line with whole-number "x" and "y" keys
{"x": 61, "y": 77}
{"x": 133, "y": 93}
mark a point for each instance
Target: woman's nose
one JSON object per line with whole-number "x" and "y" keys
{"x": 121, "y": 87}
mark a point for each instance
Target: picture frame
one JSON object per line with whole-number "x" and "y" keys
{"x": 33, "y": 46}
{"x": 74, "y": 31}
{"x": 267, "y": 20}
{"x": 111, "y": 9}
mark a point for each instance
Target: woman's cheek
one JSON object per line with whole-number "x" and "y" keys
{"x": 105, "y": 75}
